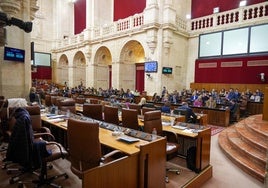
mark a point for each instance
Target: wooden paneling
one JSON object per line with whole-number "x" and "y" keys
{"x": 220, "y": 117}
{"x": 152, "y": 164}
{"x": 200, "y": 140}
{"x": 218, "y": 86}
{"x": 254, "y": 108}
{"x": 203, "y": 149}
{"x": 121, "y": 173}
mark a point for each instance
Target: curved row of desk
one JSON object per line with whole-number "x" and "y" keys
{"x": 145, "y": 160}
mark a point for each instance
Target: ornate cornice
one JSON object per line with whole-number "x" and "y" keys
{"x": 10, "y": 7}
{"x": 33, "y": 8}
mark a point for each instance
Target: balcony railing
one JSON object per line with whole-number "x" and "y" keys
{"x": 242, "y": 15}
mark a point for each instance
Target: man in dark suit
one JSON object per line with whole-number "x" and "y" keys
{"x": 190, "y": 115}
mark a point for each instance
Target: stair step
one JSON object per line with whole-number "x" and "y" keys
{"x": 253, "y": 154}
{"x": 257, "y": 126}
{"x": 251, "y": 137}
{"x": 235, "y": 156}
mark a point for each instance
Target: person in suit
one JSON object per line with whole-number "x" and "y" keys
{"x": 233, "y": 110}
{"x": 34, "y": 97}
{"x": 211, "y": 103}
{"x": 191, "y": 116}
{"x": 166, "y": 108}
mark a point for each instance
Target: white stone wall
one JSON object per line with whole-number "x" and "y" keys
{"x": 164, "y": 36}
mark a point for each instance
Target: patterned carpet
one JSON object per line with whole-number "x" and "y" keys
{"x": 215, "y": 129}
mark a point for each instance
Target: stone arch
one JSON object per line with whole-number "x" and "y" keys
{"x": 131, "y": 54}
{"x": 79, "y": 69}
{"x": 103, "y": 56}
{"x": 103, "y": 62}
{"x": 63, "y": 69}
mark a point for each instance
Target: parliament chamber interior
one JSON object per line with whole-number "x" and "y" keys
{"x": 141, "y": 94}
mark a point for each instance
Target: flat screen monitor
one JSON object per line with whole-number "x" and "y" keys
{"x": 42, "y": 59}
{"x": 150, "y": 66}
{"x": 14, "y": 54}
{"x": 167, "y": 70}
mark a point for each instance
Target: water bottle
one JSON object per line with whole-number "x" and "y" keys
{"x": 68, "y": 113}
{"x": 154, "y": 134}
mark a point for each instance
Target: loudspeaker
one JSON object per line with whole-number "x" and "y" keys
{"x": 32, "y": 51}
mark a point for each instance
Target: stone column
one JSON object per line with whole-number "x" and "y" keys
{"x": 16, "y": 77}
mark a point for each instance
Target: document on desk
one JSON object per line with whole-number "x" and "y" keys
{"x": 56, "y": 120}
{"x": 128, "y": 139}
{"x": 191, "y": 130}
{"x": 165, "y": 123}
{"x": 179, "y": 127}
{"x": 55, "y": 116}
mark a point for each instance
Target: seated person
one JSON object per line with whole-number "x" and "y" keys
{"x": 211, "y": 103}
{"x": 234, "y": 107}
{"x": 198, "y": 102}
{"x": 255, "y": 98}
{"x": 166, "y": 108}
{"x": 243, "y": 105}
{"x": 32, "y": 94}
{"x": 142, "y": 101}
{"x": 191, "y": 117}
{"x": 127, "y": 103}
{"x": 34, "y": 97}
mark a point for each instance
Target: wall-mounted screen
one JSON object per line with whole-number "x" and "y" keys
{"x": 42, "y": 59}
{"x": 259, "y": 39}
{"x": 210, "y": 44}
{"x": 150, "y": 66}
{"x": 167, "y": 70}
{"x": 235, "y": 41}
{"x": 14, "y": 54}
{"x": 241, "y": 41}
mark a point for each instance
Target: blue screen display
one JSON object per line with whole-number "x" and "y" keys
{"x": 150, "y": 66}
{"x": 14, "y": 54}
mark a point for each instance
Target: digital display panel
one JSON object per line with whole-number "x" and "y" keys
{"x": 167, "y": 70}
{"x": 14, "y": 54}
{"x": 150, "y": 66}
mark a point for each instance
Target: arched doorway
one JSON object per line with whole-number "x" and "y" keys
{"x": 63, "y": 70}
{"x": 79, "y": 70}
{"x": 132, "y": 71}
{"x": 103, "y": 62}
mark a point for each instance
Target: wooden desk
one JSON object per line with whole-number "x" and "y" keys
{"x": 79, "y": 108}
{"x": 142, "y": 167}
{"x": 220, "y": 117}
{"x": 215, "y": 116}
{"x": 202, "y": 118}
{"x": 200, "y": 140}
{"x": 254, "y": 108}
